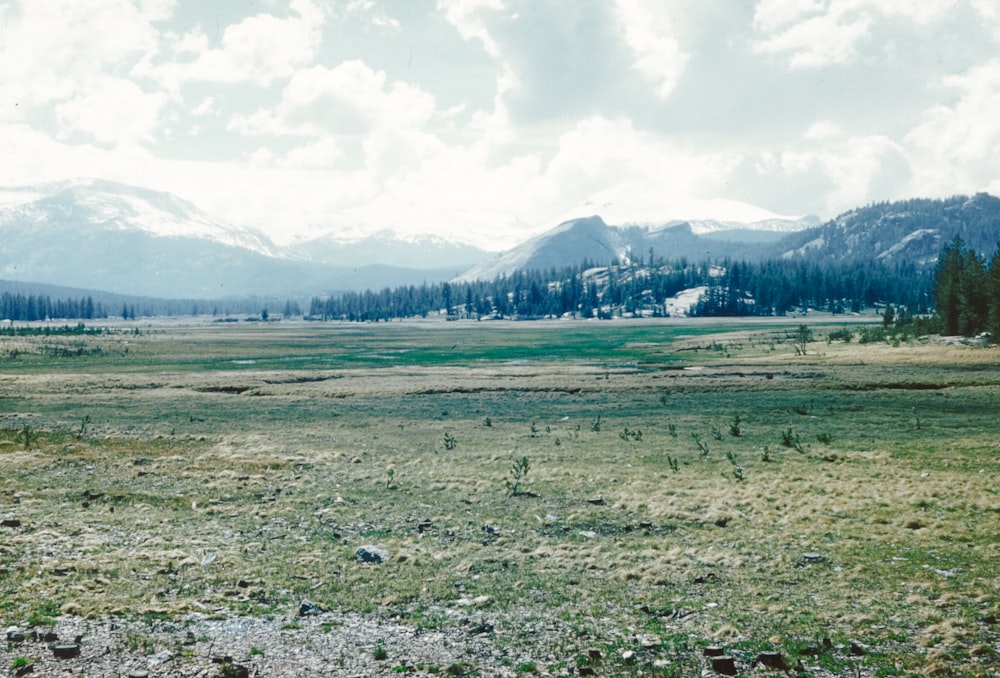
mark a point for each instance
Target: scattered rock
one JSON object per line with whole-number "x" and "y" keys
{"x": 722, "y": 522}
{"x": 161, "y": 658}
{"x": 15, "y": 635}
{"x": 597, "y": 501}
{"x": 138, "y": 673}
{"x": 24, "y": 670}
{"x": 811, "y": 559}
{"x": 586, "y": 671}
{"x": 588, "y": 534}
{"x": 307, "y": 608}
{"x": 724, "y": 664}
{"x": 369, "y": 553}
{"x": 772, "y": 660}
{"x": 10, "y": 522}
{"x": 857, "y": 649}
{"x": 713, "y": 651}
{"x": 65, "y": 650}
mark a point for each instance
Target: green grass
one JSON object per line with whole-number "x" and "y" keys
{"x": 273, "y": 473}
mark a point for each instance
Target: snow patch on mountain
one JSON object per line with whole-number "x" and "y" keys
{"x": 108, "y": 205}
{"x": 641, "y": 203}
{"x": 680, "y": 305}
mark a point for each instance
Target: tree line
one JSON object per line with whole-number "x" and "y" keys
{"x": 967, "y": 290}
{"x": 731, "y": 288}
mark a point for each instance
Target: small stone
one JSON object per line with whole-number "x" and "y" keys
{"x": 308, "y": 608}
{"x": 370, "y": 553}
{"x": 586, "y": 671}
{"x": 597, "y": 501}
{"x": 588, "y": 534}
{"x": 15, "y": 635}
{"x": 138, "y": 673}
{"x": 628, "y": 656}
{"x": 772, "y": 660}
{"x": 24, "y": 670}
{"x": 161, "y": 658}
{"x": 857, "y": 649}
{"x": 10, "y": 522}
{"x": 713, "y": 651}
{"x": 812, "y": 558}
{"x": 595, "y": 654}
{"x": 66, "y": 650}
{"x": 725, "y": 665}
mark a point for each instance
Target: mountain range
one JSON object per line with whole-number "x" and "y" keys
{"x": 101, "y": 235}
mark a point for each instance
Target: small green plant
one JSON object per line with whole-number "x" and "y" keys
{"x": 672, "y": 430}
{"x": 789, "y": 438}
{"x": 518, "y": 470}
{"x": 390, "y": 478}
{"x": 734, "y": 427}
{"x": 629, "y": 434}
{"x": 450, "y": 443}
{"x": 534, "y": 428}
{"x": 765, "y": 455}
{"x": 83, "y": 427}
{"x": 487, "y": 422}
{"x": 824, "y": 438}
{"x": 380, "y": 654}
{"x": 673, "y": 464}
{"x": 527, "y": 667}
{"x": 738, "y": 473}
{"x": 19, "y": 663}
{"x": 716, "y": 433}
{"x": 26, "y": 434}
{"x": 256, "y": 651}
{"x": 702, "y": 446}
{"x": 596, "y": 425}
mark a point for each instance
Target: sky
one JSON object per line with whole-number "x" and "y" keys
{"x": 489, "y": 120}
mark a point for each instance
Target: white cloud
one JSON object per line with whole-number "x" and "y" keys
{"x": 958, "y": 144}
{"x": 351, "y": 98}
{"x": 772, "y": 14}
{"x": 856, "y": 170}
{"x": 260, "y": 49}
{"x": 50, "y": 50}
{"x": 112, "y": 111}
{"x": 820, "y": 40}
{"x": 648, "y": 33}
{"x": 464, "y": 16}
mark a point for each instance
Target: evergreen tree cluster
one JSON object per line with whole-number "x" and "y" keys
{"x": 30, "y": 307}
{"x": 967, "y": 290}
{"x": 733, "y": 288}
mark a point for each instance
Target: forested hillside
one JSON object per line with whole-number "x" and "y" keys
{"x": 644, "y": 288}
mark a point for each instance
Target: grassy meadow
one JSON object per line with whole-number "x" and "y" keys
{"x": 604, "y": 498}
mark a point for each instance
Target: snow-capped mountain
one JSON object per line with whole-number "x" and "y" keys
{"x": 641, "y": 203}
{"x": 94, "y": 204}
{"x": 109, "y": 236}
{"x": 388, "y": 249}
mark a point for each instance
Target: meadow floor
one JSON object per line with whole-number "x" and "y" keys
{"x": 565, "y": 498}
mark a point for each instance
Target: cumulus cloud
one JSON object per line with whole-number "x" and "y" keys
{"x": 50, "y": 50}
{"x": 351, "y": 98}
{"x": 112, "y": 111}
{"x": 260, "y": 49}
{"x": 958, "y": 144}
{"x": 658, "y": 55}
